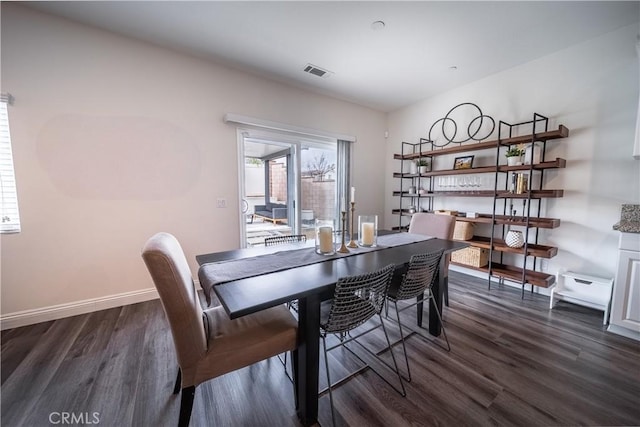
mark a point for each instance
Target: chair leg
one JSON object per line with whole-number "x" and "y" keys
{"x": 296, "y": 377}
{"x": 186, "y": 404}
{"x": 393, "y": 356}
{"x": 283, "y": 360}
{"x": 176, "y": 387}
{"x": 326, "y": 366}
{"x": 404, "y": 348}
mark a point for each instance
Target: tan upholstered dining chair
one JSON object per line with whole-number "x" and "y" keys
{"x": 440, "y": 226}
{"x": 208, "y": 344}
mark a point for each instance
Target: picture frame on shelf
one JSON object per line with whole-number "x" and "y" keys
{"x": 465, "y": 162}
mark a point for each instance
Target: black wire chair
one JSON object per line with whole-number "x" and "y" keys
{"x": 416, "y": 282}
{"x": 356, "y": 300}
{"x": 279, "y": 240}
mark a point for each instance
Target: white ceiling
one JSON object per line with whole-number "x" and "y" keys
{"x": 408, "y": 60}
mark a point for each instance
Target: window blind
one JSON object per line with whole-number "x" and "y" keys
{"x": 10, "y": 218}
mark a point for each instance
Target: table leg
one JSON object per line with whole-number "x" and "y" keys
{"x": 308, "y": 358}
{"x": 436, "y": 289}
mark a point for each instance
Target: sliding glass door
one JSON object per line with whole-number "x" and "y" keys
{"x": 269, "y": 190}
{"x": 286, "y": 183}
{"x": 318, "y": 189}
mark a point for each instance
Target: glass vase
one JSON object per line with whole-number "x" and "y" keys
{"x": 325, "y": 237}
{"x": 368, "y": 230}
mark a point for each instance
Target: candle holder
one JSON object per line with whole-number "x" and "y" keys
{"x": 343, "y": 248}
{"x": 368, "y": 230}
{"x": 325, "y": 244}
{"x": 352, "y": 243}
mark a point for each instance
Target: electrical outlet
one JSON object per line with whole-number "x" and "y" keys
{"x": 222, "y": 203}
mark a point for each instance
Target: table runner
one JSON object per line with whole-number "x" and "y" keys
{"x": 215, "y": 273}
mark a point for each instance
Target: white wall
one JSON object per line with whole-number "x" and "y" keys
{"x": 254, "y": 180}
{"x": 592, "y": 88}
{"x": 116, "y": 139}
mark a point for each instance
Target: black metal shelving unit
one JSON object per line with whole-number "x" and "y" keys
{"x": 537, "y": 131}
{"x": 410, "y": 153}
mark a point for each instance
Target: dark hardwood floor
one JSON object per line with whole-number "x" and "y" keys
{"x": 512, "y": 362}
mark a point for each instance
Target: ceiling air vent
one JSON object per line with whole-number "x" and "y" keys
{"x": 317, "y": 71}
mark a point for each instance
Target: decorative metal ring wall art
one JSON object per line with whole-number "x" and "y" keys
{"x": 473, "y": 129}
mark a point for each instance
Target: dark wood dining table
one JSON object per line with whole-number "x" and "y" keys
{"x": 310, "y": 285}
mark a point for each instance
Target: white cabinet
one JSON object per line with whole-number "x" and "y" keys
{"x": 625, "y": 307}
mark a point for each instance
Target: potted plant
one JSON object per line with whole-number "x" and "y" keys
{"x": 514, "y": 155}
{"x": 423, "y": 165}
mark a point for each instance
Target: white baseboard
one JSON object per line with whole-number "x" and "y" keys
{"x": 53, "y": 312}
{"x": 624, "y": 332}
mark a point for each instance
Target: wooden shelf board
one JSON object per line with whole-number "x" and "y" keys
{"x": 558, "y": 163}
{"x": 540, "y": 251}
{"x": 407, "y": 194}
{"x": 501, "y": 219}
{"x": 480, "y": 193}
{"x": 535, "y": 194}
{"x": 561, "y": 132}
{"x": 554, "y": 164}
{"x": 483, "y": 169}
{"x": 514, "y": 274}
{"x": 505, "y": 219}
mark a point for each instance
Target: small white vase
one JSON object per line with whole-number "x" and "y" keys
{"x": 514, "y": 239}
{"x": 413, "y": 168}
{"x": 514, "y": 161}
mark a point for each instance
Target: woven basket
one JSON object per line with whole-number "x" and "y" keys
{"x": 475, "y": 257}
{"x": 463, "y": 230}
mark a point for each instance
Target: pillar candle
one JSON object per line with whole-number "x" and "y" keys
{"x": 326, "y": 239}
{"x": 367, "y": 233}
